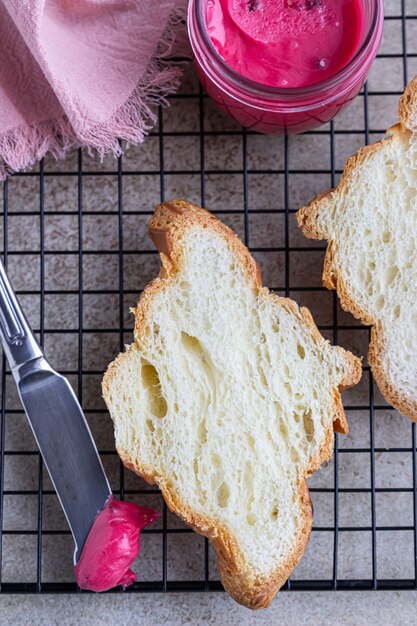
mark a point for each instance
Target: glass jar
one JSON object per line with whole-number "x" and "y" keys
{"x": 282, "y": 110}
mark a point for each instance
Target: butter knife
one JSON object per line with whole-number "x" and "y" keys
{"x": 57, "y": 421}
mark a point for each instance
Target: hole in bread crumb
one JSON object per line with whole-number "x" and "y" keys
{"x": 379, "y": 303}
{"x": 251, "y": 519}
{"x": 151, "y": 382}
{"x": 201, "y": 359}
{"x": 278, "y": 407}
{"x": 150, "y": 425}
{"x": 216, "y": 460}
{"x": 386, "y": 236}
{"x": 295, "y": 457}
{"x": 283, "y": 429}
{"x": 267, "y": 356}
{"x": 202, "y": 432}
{"x": 248, "y": 479}
{"x": 397, "y": 311}
{"x": 262, "y": 376}
{"x": 300, "y": 351}
{"x": 274, "y": 512}
{"x": 191, "y": 344}
{"x": 249, "y": 503}
{"x": 391, "y": 274}
{"x": 185, "y": 287}
{"x": 223, "y": 495}
{"x": 251, "y": 441}
{"x": 308, "y": 425}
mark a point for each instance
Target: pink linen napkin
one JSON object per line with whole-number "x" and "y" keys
{"x": 82, "y": 73}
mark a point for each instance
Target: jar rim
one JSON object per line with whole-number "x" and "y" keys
{"x": 284, "y": 93}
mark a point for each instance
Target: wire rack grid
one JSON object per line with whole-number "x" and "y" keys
{"x": 74, "y": 243}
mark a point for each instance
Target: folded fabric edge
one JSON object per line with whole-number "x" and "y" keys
{"x": 21, "y": 147}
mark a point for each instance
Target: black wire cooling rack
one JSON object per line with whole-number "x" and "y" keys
{"x": 78, "y": 260}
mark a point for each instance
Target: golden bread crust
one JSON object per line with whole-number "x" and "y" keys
{"x": 166, "y": 229}
{"x": 407, "y": 108}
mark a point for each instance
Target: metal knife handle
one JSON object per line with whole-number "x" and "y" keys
{"x": 19, "y": 343}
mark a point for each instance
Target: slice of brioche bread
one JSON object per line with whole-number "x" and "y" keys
{"x": 370, "y": 222}
{"x": 227, "y": 400}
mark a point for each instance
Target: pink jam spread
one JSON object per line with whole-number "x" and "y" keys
{"x": 112, "y": 546}
{"x": 286, "y": 43}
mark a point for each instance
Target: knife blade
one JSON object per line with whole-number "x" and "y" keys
{"x": 57, "y": 421}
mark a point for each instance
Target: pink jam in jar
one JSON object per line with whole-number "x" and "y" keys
{"x": 284, "y": 65}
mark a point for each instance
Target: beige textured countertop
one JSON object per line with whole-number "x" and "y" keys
{"x": 289, "y": 609}
{"x": 394, "y": 550}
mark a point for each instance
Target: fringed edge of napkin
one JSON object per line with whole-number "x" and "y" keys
{"x": 21, "y": 147}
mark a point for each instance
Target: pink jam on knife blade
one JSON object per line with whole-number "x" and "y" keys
{"x": 112, "y": 545}
{"x": 286, "y": 43}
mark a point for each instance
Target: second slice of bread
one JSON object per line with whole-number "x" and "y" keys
{"x": 370, "y": 222}
{"x": 227, "y": 400}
